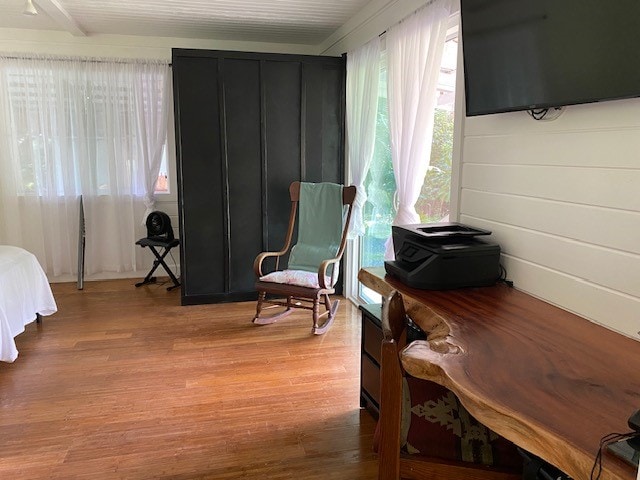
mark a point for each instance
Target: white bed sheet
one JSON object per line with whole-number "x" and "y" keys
{"x": 24, "y": 291}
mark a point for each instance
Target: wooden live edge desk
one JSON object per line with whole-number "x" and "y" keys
{"x": 546, "y": 379}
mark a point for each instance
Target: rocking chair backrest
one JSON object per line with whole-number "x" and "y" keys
{"x": 320, "y": 212}
{"x": 348, "y": 198}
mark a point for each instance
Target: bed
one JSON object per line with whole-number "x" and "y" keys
{"x": 24, "y": 292}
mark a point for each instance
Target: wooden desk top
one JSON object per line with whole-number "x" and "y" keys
{"x": 550, "y": 381}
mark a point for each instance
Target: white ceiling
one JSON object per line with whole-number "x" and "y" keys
{"x": 304, "y": 22}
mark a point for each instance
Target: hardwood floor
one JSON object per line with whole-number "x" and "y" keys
{"x": 123, "y": 382}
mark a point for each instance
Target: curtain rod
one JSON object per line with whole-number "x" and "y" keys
{"x": 382, "y": 34}
{"x": 125, "y": 61}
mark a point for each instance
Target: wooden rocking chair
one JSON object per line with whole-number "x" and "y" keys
{"x": 314, "y": 262}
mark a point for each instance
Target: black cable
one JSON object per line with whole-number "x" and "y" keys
{"x": 604, "y": 441}
{"x": 169, "y": 279}
{"x": 162, "y": 284}
{"x": 174, "y": 262}
{"x": 503, "y": 276}
{"x": 538, "y": 114}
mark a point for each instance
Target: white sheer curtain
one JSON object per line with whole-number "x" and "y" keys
{"x": 71, "y": 127}
{"x": 363, "y": 74}
{"x": 414, "y": 54}
{"x": 152, "y": 92}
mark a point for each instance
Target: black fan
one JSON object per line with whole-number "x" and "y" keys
{"x": 159, "y": 227}
{"x": 159, "y": 234}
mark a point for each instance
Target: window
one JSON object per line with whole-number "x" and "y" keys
{"x": 162, "y": 185}
{"x": 434, "y": 202}
{"x": 73, "y": 127}
{"x": 79, "y": 131}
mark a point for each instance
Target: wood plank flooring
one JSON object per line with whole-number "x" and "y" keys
{"x": 125, "y": 383}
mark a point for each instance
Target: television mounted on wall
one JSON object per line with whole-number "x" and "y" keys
{"x": 539, "y": 54}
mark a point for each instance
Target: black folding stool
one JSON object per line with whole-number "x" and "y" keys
{"x": 159, "y": 234}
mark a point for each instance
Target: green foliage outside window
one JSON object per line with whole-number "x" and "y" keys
{"x": 433, "y": 203}
{"x": 434, "y": 200}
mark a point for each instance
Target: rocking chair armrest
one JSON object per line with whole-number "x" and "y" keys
{"x": 257, "y": 263}
{"x": 322, "y": 271}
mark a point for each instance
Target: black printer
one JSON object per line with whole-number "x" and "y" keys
{"x": 440, "y": 256}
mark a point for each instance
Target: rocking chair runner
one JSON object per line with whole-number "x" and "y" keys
{"x": 311, "y": 276}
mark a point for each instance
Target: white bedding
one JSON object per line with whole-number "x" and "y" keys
{"x": 24, "y": 291}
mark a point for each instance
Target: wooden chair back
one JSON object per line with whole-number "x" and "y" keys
{"x": 348, "y": 198}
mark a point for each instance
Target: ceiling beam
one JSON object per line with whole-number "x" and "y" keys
{"x": 60, "y": 15}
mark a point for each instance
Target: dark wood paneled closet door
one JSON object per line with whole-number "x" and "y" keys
{"x": 244, "y": 169}
{"x": 247, "y": 125}
{"x": 323, "y": 123}
{"x": 201, "y": 198}
{"x": 282, "y": 145}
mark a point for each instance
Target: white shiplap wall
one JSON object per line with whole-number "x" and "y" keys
{"x": 562, "y": 198}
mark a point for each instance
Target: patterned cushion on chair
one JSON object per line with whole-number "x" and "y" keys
{"x": 435, "y": 424}
{"x": 295, "y": 277}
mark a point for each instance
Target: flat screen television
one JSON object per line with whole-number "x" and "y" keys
{"x": 536, "y": 54}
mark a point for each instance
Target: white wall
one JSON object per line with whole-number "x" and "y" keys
{"x": 123, "y": 46}
{"x": 562, "y": 198}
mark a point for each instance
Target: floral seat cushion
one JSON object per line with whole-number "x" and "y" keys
{"x": 300, "y": 278}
